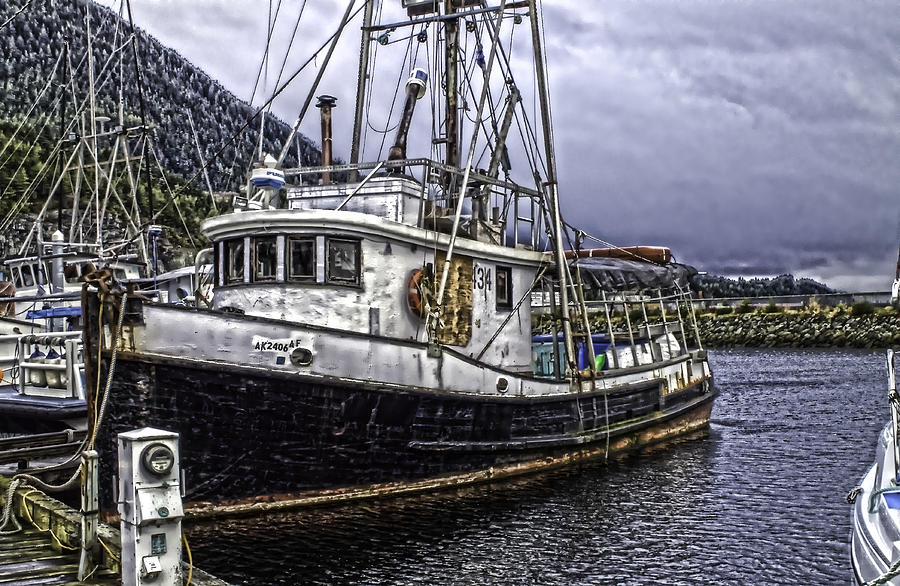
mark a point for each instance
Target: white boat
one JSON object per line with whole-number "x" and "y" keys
{"x": 875, "y": 533}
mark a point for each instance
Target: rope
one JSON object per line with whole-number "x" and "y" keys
{"x": 187, "y": 548}
{"x": 47, "y": 530}
{"x": 110, "y": 373}
{"x": 109, "y": 551}
{"x": 892, "y": 572}
{"x": 7, "y": 510}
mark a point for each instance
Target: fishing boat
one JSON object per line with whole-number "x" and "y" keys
{"x": 404, "y": 323}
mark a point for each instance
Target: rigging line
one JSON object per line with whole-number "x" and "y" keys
{"x": 387, "y": 128}
{"x": 10, "y": 215}
{"x": 31, "y": 148}
{"x": 259, "y": 110}
{"x": 394, "y": 99}
{"x": 487, "y": 131}
{"x": 34, "y": 105}
{"x": 265, "y": 65}
{"x": 506, "y": 69}
{"x": 168, "y": 188}
{"x": 290, "y": 44}
{"x": 315, "y": 85}
{"x": 270, "y": 27}
{"x": 17, "y": 13}
{"x": 20, "y": 203}
{"x": 379, "y": 8}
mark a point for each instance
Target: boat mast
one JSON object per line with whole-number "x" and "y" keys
{"x": 451, "y": 130}
{"x": 92, "y": 116}
{"x": 551, "y": 184}
{"x": 361, "y": 80}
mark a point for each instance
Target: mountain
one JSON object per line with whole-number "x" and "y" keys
{"x": 33, "y": 41}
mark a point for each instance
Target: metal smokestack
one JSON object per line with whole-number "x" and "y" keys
{"x": 415, "y": 89}
{"x": 325, "y": 104}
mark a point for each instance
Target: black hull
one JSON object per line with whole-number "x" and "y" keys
{"x": 246, "y": 435}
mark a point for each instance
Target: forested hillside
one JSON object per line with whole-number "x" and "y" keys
{"x": 31, "y": 46}
{"x": 715, "y": 286}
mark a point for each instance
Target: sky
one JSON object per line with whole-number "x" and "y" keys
{"x": 753, "y": 137}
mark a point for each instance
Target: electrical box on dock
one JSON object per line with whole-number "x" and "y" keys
{"x": 150, "y": 507}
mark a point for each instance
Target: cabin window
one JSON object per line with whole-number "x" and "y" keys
{"x": 343, "y": 261}
{"x": 16, "y": 276}
{"x": 234, "y": 261}
{"x": 27, "y": 276}
{"x": 72, "y": 272}
{"x": 265, "y": 259}
{"x": 301, "y": 259}
{"x": 504, "y": 287}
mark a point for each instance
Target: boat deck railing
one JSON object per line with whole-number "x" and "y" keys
{"x": 503, "y": 211}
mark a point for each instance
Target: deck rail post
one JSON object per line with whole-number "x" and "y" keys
{"x": 90, "y": 508}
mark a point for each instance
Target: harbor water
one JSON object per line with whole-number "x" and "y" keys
{"x": 759, "y": 500}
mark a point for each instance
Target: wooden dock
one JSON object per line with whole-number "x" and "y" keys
{"x": 47, "y": 550}
{"x": 29, "y": 557}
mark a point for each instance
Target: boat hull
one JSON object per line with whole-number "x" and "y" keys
{"x": 248, "y": 437}
{"x": 875, "y": 528}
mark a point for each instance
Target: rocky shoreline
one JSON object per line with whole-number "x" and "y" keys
{"x": 824, "y": 328}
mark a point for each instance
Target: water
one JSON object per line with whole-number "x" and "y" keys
{"x": 758, "y": 501}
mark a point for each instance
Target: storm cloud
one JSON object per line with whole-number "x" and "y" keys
{"x": 753, "y": 137}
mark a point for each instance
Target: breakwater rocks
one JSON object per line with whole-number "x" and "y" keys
{"x": 801, "y": 329}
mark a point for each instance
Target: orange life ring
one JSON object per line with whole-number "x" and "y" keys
{"x": 414, "y": 293}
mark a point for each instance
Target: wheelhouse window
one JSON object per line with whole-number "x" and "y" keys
{"x": 301, "y": 259}
{"x": 265, "y": 258}
{"x": 504, "y": 287}
{"x": 343, "y": 261}
{"x": 234, "y": 261}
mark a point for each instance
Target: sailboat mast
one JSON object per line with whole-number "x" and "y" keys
{"x": 552, "y": 181}
{"x": 361, "y": 81}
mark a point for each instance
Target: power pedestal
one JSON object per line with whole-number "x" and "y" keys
{"x": 150, "y": 507}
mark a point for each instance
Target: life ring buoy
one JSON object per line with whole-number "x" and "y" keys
{"x": 414, "y": 297}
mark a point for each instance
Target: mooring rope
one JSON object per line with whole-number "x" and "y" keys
{"x": 7, "y": 510}
{"x": 892, "y": 572}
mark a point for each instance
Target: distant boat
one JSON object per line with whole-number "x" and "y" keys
{"x": 375, "y": 325}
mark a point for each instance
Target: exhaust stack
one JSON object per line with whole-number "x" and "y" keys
{"x": 415, "y": 89}
{"x": 325, "y": 104}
